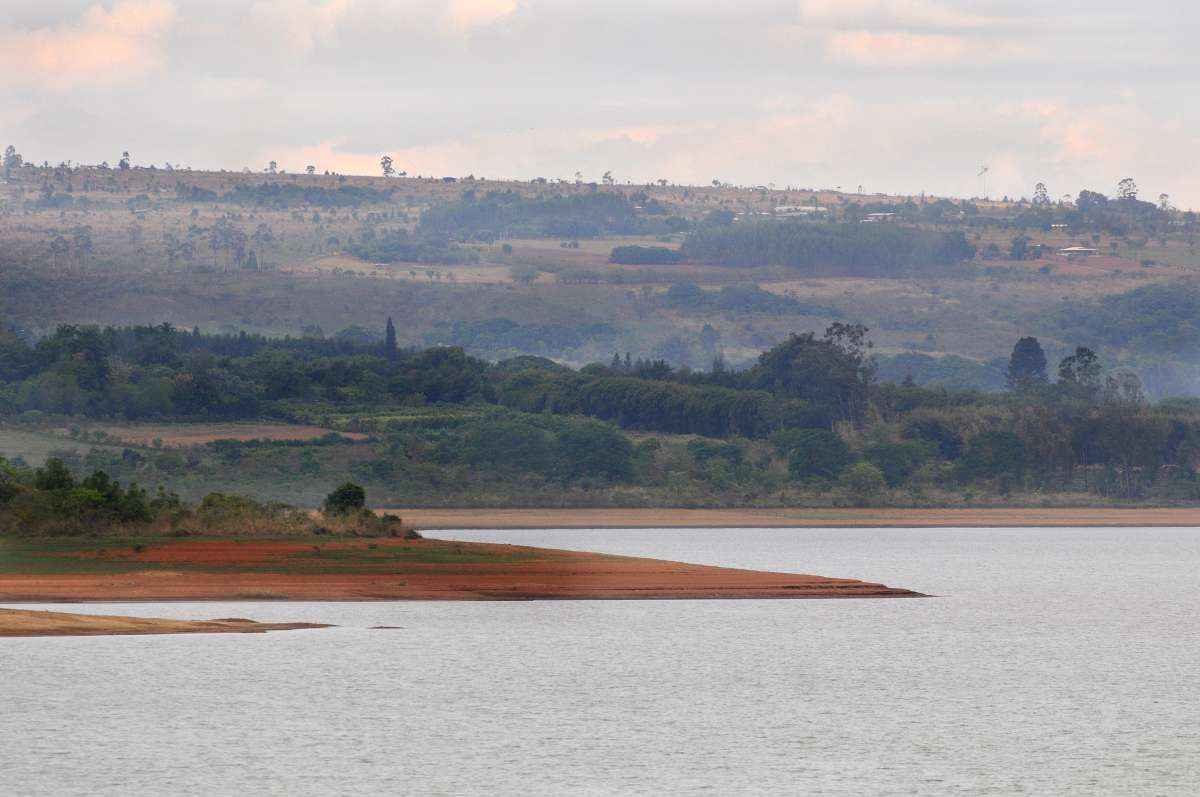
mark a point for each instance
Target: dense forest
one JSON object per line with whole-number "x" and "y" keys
{"x": 852, "y": 249}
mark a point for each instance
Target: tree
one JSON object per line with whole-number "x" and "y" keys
{"x": 607, "y": 178}
{"x": 862, "y": 483}
{"x": 1080, "y": 372}
{"x": 385, "y": 163}
{"x": 12, "y": 160}
{"x": 1026, "y": 365}
{"x": 1164, "y": 202}
{"x": 310, "y": 169}
{"x": 1019, "y": 248}
{"x": 272, "y": 168}
{"x": 124, "y": 163}
{"x": 346, "y": 499}
{"x": 1127, "y": 189}
{"x": 54, "y": 475}
{"x": 1041, "y": 196}
{"x": 389, "y": 341}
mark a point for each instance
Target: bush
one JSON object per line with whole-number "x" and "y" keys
{"x": 816, "y": 454}
{"x": 344, "y": 500}
{"x": 644, "y": 256}
{"x": 862, "y": 483}
{"x": 54, "y": 475}
{"x": 897, "y": 461}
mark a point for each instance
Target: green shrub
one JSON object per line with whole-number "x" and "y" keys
{"x": 345, "y": 499}
{"x": 862, "y": 483}
{"x": 817, "y": 454}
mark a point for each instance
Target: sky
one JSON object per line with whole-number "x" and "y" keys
{"x": 896, "y": 96}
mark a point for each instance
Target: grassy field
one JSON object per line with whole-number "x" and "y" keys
{"x": 184, "y": 435}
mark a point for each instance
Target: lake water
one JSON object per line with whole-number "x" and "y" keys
{"x": 1055, "y": 661}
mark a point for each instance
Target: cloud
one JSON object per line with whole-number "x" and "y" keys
{"x": 890, "y": 15}
{"x": 299, "y": 25}
{"x": 102, "y": 48}
{"x": 302, "y": 26}
{"x": 466, "y": 14}
{"x": 865, "y": 48}
{"x": 905, "y": 33}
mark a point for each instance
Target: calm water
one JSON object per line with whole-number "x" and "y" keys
{"x": 1055, "y": 662}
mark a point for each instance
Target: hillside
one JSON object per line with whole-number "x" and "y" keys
{"x": 505, "y": 269}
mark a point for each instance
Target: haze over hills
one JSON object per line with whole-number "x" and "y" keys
{"x": 515, "y": 268}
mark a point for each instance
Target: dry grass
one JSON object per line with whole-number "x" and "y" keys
{"x": 183, "y": 435}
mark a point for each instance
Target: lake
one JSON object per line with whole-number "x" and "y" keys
{"x": 1054, "y": 661}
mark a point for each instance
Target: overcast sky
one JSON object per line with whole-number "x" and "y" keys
{"x": 900, "y": 96}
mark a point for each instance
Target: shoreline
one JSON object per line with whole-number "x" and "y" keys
{"x": 33, "y": 623}
{"x": 390, "y": 569}
{"x": 439, "y": 519}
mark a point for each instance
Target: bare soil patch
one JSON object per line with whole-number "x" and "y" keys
{"x": 389, "y": 569}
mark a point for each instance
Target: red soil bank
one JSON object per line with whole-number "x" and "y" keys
{"x": 405, "y": 570}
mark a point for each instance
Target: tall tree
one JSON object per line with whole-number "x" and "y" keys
{"x": 385, "y": 164}
{"x": 1127, "y": 189}
{"x": 124, "y": 163}
{"x": 389, "y": 341}
{"x": 1026, "y": 365}
{"x": 1080, "y": 373}
{"x": 12, "y": 160}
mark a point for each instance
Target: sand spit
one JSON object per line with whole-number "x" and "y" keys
{"x": 393, "y": 569}
{"x": 20, "y": 622}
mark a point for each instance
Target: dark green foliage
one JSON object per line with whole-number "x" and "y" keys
{"x": 869, "y": 250}
{"x": 832, "y": 373}
{"x": 390, "y": 349}
{"x": 897, "y": 461}
{"x": 345, "y": 498}
{"x": 51, "y": 501}
{"x": 998, "y": 454}
{"x": 934, "y": 431}
{"x": 555, "y": 449}
{"x": 54, "y": 475}
{"x": 1080, "y": 373}
{"x": 645, "y": 256}
{"x": 740, "y": 300}
{"x": 650, "y": 404}
{"x": 817, "y": 454}
{"x": 862, "y": 483}
{"x": 595, "y": 451}
{"x": 1027, "y": 365}
{"x": 396, "y": 245}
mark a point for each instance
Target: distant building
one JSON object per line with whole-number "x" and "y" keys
{"x": 1074, "y": 252}
{"x": 800, "y": 210}
{"x": 875, "y": 218}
